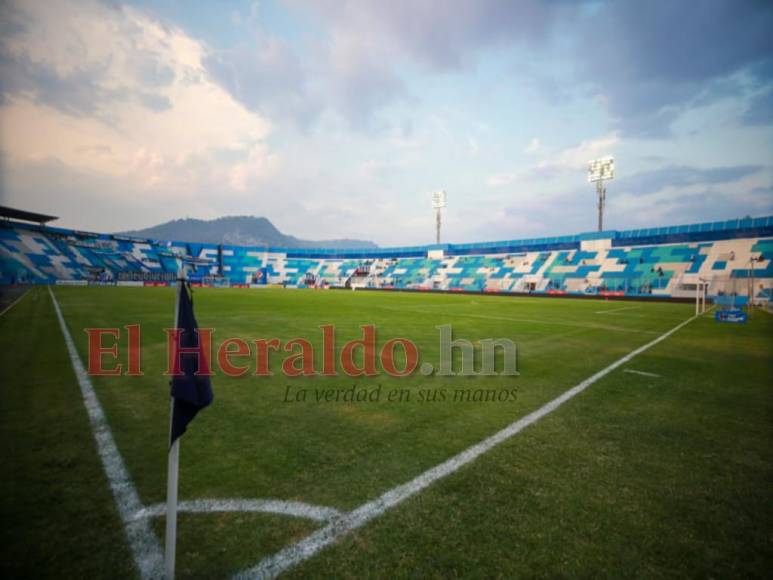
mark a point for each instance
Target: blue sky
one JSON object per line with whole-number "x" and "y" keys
{"x": 340, "y": 118}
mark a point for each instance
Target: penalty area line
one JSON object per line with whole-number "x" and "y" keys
{"x": 616, "y": 310}
{"x": 304, "y": 549}
{"x": 642, "y": 373}
{"x": 144, "y": 545}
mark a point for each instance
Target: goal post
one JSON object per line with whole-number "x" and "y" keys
{"x": 701, "y": 289}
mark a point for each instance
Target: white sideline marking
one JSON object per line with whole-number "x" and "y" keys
{"x": 144, "y": 545}
{"x": 15, "y": 302}
{"x": 272, "y": 506}
{"x": 642, "y": 373}
{"x": 288, "y": 557}
{"x": 616, "y": 310}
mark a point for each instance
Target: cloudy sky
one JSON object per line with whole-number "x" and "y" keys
{"x": 338, "y": 118}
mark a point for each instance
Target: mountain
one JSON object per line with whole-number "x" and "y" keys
{"x": 239, "y": 231}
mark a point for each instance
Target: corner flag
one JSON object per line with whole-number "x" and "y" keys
{"x": 191, "y": 392}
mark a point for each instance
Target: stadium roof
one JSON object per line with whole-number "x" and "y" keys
{"x": 27, "y": 216}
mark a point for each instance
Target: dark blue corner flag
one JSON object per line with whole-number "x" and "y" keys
{"x": 191, "y": 392}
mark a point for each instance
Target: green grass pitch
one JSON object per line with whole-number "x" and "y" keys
{"x": 638, "y": 476}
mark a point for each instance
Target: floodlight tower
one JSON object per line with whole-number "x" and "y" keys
{"x": 598, "y": 171}
{"x": 438, "y": 203}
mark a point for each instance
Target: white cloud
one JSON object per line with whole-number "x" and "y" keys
{"x": 578, "y": 157}
{"x": 127, "y": 59}
{"x": 533, "y": 146}
{"x": 500, "y": 179}
{"x": 569, "y": 160}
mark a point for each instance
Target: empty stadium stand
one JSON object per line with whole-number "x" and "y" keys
{"x": 734, "y": 256}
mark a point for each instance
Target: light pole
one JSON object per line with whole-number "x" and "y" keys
{"x": 438, "y": 203}
{"x": 598, "y": 171}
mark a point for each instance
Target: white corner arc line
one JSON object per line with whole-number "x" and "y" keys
{"x": 144, "y": 545}
{"x": 642, "y": 373}
{"x": 292, "y": 555}
{"x": 15, "y": 302}
{"x": 271, "y": 506}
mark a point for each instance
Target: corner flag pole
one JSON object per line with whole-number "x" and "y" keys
{"x": 173, "y": 463}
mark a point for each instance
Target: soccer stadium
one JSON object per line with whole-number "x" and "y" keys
{"x": 533, "y": 379}
{"x": 274, "y": 479}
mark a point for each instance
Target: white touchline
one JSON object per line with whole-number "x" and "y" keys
{"x": 294, "y": 554}
{"x": 642, "y": 373}
{"x": 295, "y": 509}
{"x": 144, "y": 545}
{"x": 15, "y": 302}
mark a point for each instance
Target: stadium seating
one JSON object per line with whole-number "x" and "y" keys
{"x": 665, "y": 262}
